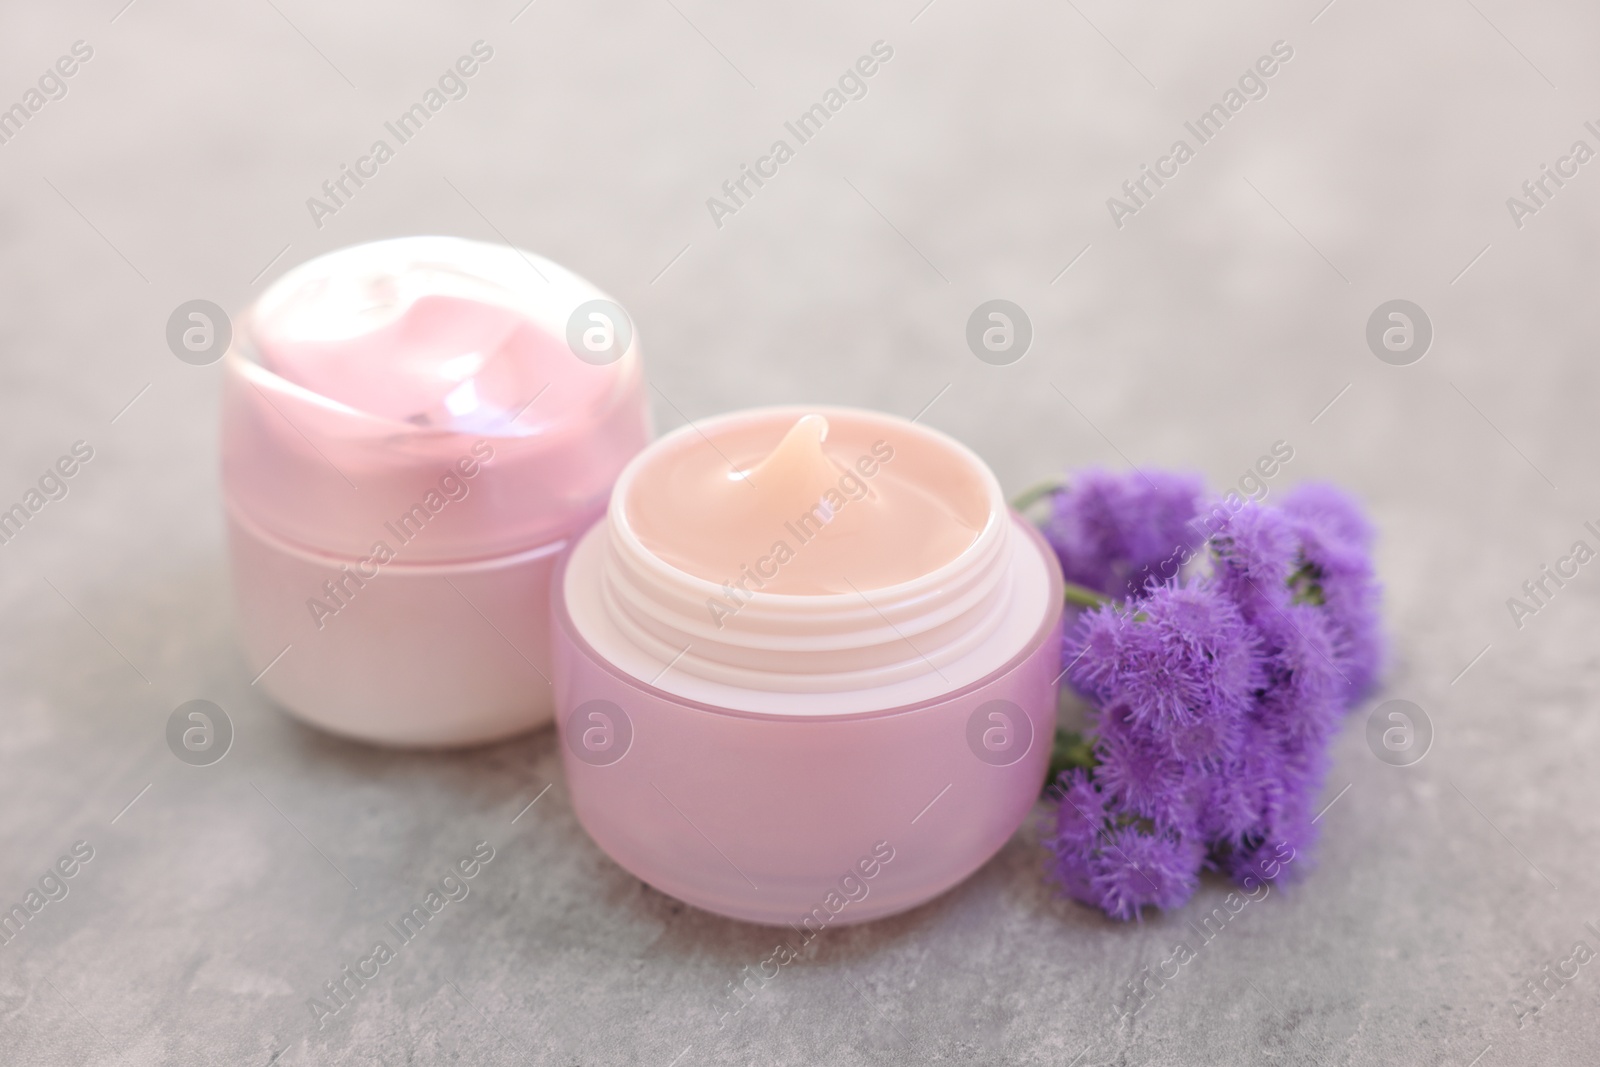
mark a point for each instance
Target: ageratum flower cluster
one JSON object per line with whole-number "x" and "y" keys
{"x": 1218, "y": 659}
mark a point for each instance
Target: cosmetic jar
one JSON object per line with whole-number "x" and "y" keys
{"x": 806, "y": 666}
{"x": 410, "y": 440}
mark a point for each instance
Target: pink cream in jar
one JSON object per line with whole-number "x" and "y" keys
{"x": 409, "y": 445}
{"x": 805, "y": 667}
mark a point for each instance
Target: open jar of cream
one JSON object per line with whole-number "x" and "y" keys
{"x": 805, "y": 668}
{"x": 409, "y": 443}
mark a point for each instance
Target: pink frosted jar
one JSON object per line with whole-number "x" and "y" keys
{"x": 810, "y": 759}
{"x": 409, "y": 444}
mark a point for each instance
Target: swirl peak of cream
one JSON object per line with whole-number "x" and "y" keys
{"x": 808, "y": 505}
{"x": 769, "y": 554}
{"x": 360, "y": 378}
{"x": 434, "y": 343}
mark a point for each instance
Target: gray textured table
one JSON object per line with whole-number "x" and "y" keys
{"x": 1225, "y": 313}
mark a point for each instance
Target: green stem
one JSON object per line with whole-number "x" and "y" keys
{"x": 1070, "y": 750}
{"x": 1036, "y": 492}
{"x": 1083, "y": 596}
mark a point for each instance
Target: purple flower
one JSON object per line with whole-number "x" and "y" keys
{"x": 1179, "y": 658}
{"x": 1289, "y": 833}
{"x": 1115, "y": 532}
{"x": 1315, "y": 549}
{"x": 1262, "y": 800}
{"x": 1217, "y": 694}
{"x": 1336, "y": 571}
{"x": 1137, "y": 868}
{"x": 1116, "y": 862}
{"x": 1083, "y": 813}
{"x": 1307, "y": 670}
{"x": 1332, "y": 509}
{"x": 1255, "y": 550}
{"x": 1237, "y": 795}
{"x": 1139, "y": 771}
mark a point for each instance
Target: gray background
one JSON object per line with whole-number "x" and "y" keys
{"x": 1225, "y": 316}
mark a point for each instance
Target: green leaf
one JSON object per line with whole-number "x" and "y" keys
{"x": 1083, "y": 596}
{"x": 1072, "y": 750}
{"x": 1306, "y": 585}
{"x": 1037, "y": 492}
